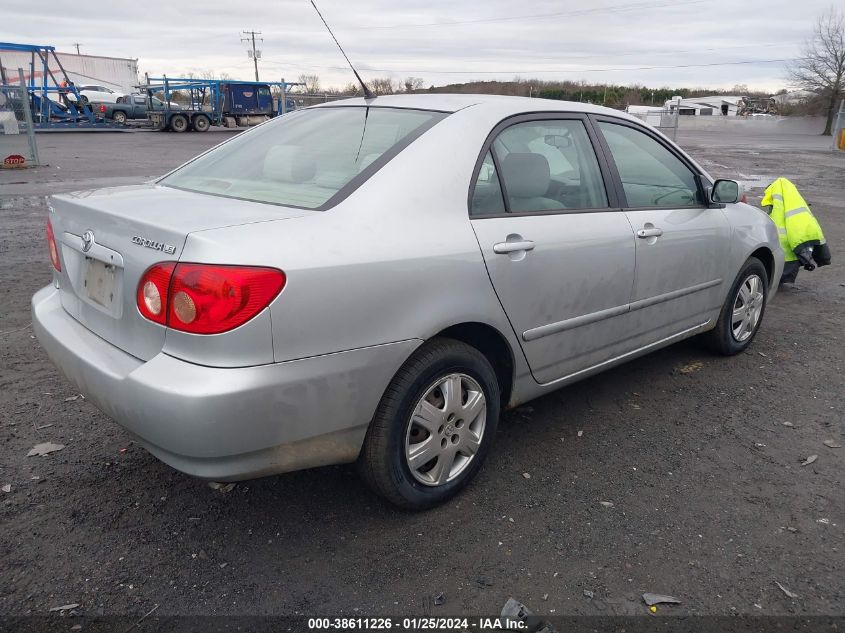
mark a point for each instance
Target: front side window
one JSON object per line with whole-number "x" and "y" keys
{"x": 305, "y": 158}
{"x": 651, "y": 175}
{"x": 549, "y": 165}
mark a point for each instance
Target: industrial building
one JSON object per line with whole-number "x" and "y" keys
{"x": 118, "y": 73}
{"x": 716, "y": 105}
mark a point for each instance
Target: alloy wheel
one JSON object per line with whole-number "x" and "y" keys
{"x": 747, "y": 308}
{"x": 445, "y": 430}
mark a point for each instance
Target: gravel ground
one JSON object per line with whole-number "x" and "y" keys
{"x": 710, "y": 502}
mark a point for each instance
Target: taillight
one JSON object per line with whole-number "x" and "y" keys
{"x": 54, "y": 249}
{"x": 744, "y": 199}
{"x": 204, "y": 298}
{"x": 102, "y": 108}
{"x": 152, "y": 292}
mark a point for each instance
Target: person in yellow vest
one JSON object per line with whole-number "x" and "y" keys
{"x": 801, "y": 236}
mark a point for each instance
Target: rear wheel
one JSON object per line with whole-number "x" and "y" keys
{"x": 119, "y": 117}
{"x": 179, "y": 123}
{"x": 742, "y": 312}
{"x": 201, "y": 123}
{"x": 434, "y": 426}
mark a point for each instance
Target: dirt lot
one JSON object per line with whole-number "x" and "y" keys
{"x": 710, "y": 501}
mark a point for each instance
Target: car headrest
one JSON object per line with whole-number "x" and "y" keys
{"x": 526, "y": 175}
{"x": 288, "y": 163}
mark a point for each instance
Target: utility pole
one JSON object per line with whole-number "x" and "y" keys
{"x": 255, "y": 54}
{"x": 77, "y": 47}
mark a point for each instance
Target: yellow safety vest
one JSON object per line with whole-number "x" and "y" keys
{"x": 791, "y": 214}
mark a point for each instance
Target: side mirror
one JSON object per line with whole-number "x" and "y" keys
{"x": 725, "y": 192}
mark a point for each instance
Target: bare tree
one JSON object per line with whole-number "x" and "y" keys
{"x": 352, "y": 88}
{"x": 413, "y": 83}
{"x": 312, "y": 83}
{"x": 382, "y": 86}
{"x": 821, "y": 67}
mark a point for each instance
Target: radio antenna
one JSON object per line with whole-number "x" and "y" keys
{"x": 367, "y": 93}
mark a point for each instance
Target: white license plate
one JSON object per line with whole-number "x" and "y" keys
{"x": 99, "y": 282}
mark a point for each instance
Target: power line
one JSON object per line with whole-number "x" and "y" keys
{"x": 537, "y": 71}
{"x": 534, "y": 16}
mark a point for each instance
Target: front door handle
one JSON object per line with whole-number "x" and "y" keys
{"x": 652, "y": 232}
{"x": 512, "y": 247}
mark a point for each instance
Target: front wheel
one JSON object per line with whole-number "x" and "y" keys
{"x": 434, "y": 426}
{"x": 742, "y": 312}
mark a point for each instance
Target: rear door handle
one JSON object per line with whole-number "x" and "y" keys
{"x": 644, "y": 233}
{"x": 512, "y": 247}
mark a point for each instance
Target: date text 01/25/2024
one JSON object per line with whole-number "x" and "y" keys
{"x": 414, "y": 623}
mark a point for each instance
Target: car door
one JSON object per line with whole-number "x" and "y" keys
{"x": 140, "y": 106}
{"x": 559, "y": 251}
{"x": 682, "y": 243}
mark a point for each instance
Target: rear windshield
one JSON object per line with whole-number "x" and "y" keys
{"x": 310, "y": 159}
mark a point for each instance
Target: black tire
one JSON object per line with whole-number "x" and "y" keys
{"x": 179, "y": 123}
{"x": 722, "y": 339}
{"x": 83, "y": 99}
{"x": 119, "y": 117}
{"x": 201, "y": 123}
{"x": 382, "y": 462}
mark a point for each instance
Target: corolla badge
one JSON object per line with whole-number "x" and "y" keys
{"x": 87, "y": 241}
{"x": 153, "y": 244}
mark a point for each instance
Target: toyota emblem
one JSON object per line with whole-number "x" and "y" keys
{"x": 87, "y": 241}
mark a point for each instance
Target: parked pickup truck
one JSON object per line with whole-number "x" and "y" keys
{"x": 132, "y": 107}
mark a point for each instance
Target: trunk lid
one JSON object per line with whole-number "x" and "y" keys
{"x": 108, "y": 238}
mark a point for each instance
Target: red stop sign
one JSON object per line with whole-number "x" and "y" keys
{"x": 14, "y": 160}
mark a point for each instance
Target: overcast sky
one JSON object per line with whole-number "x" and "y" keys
{"x": 441, "y": 41}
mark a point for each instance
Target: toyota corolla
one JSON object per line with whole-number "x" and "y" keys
{"x": 374, "y": 280}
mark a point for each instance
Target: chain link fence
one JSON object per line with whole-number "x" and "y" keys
{"x": 305, "y": 100}
{"x": 17, "y": 135}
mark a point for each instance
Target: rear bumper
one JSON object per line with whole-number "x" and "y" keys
{"x": 225, "y": 423}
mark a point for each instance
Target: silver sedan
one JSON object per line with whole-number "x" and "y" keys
{"x": 374, "y": 281}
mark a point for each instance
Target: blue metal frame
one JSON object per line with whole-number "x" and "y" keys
{"x": 48, "y": 113}
{"x": 200, "y": 88}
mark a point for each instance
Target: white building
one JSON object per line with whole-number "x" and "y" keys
{"x": 118, "y": 73}
{"x": 717, "y": 105}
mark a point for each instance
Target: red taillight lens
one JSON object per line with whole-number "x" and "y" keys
{"x": 744, "y": 199}
{"x": 102, "y": 108}
{"x": 206, "y": 299}
{"x": 54, "y": 249}
{"x": 152, "y": 292}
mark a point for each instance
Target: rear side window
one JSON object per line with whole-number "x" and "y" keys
{"x": 309, "y": 159}
{"x": 651, "y": 175}
{"x": 545, "y": 166}
{"x": 487, "y": 196}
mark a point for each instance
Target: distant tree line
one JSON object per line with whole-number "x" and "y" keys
{"x": 611, "y": 95}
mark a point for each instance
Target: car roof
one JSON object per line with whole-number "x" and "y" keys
{"x": 446, "y": 102}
